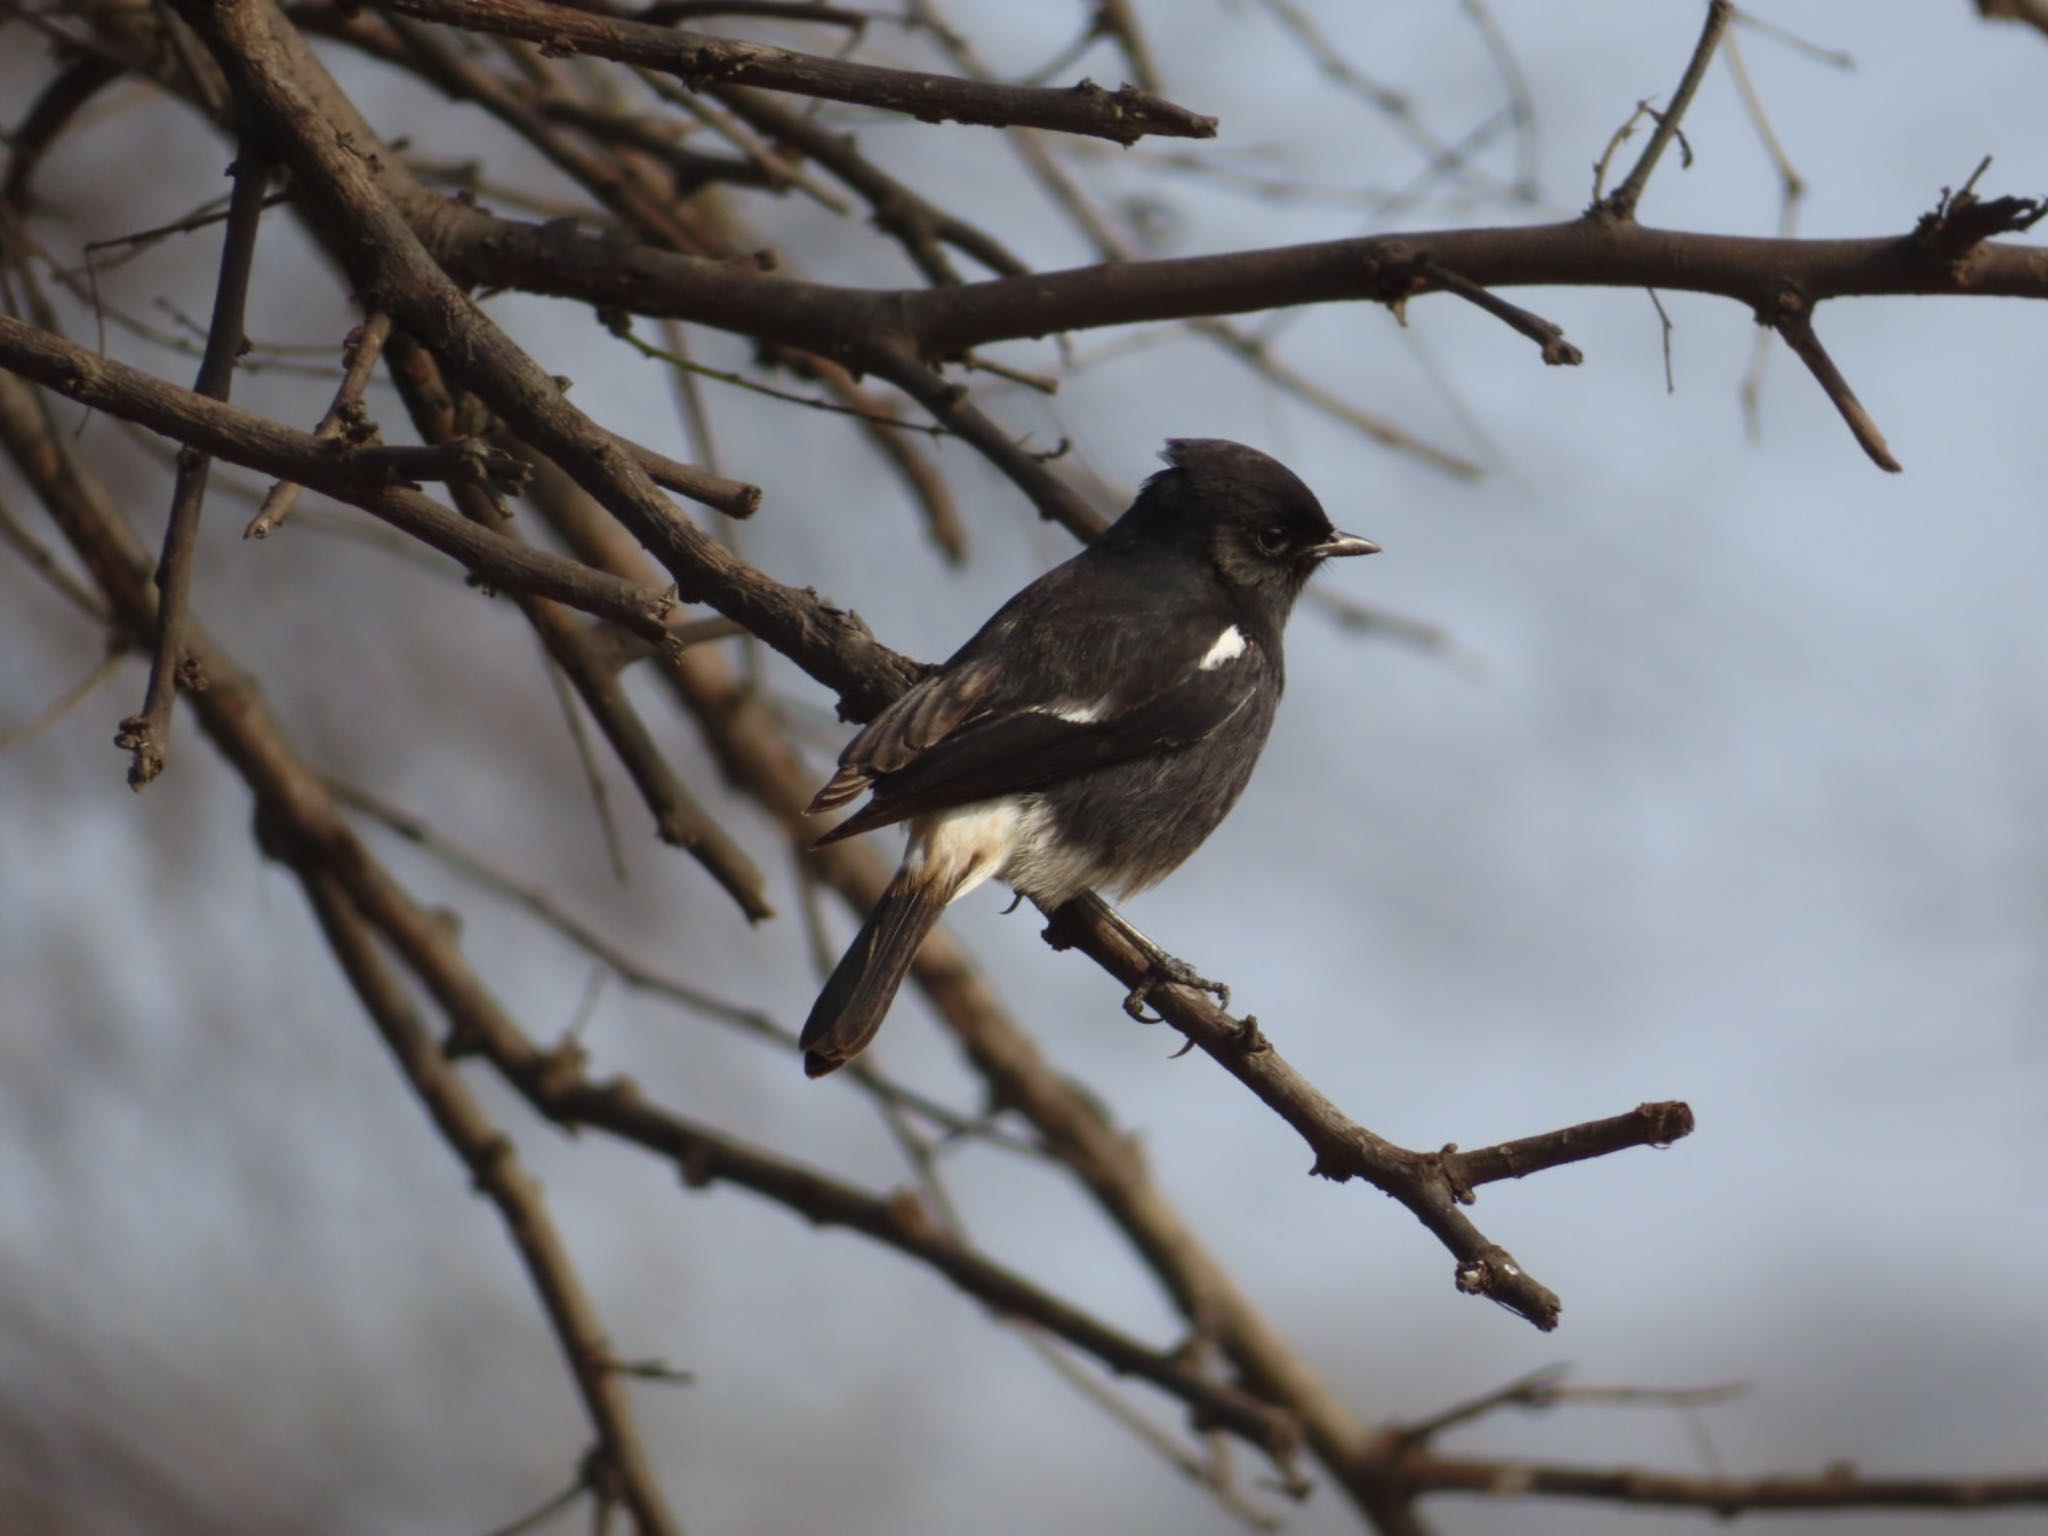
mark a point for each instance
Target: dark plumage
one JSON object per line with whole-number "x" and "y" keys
{"x": 1093, "y": 732}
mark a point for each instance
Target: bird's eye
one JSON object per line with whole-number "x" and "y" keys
{"x": 1273, "y": 538}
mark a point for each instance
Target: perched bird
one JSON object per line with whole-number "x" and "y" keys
{"x": 1094, "y": 731}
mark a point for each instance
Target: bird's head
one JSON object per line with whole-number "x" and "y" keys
{"x": 1245, "y": 512}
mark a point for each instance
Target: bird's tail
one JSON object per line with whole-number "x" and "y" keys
{"x": 856, "y": 998}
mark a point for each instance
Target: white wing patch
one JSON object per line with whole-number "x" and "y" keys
{"x": 1229, "y": 645}
{"x": 1077, "y": 714}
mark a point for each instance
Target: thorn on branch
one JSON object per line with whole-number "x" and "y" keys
{"x": 1793, "y": 320}
{"x": 647, "y": 1370}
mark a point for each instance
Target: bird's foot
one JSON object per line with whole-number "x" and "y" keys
{"x": 1162, "y": 970}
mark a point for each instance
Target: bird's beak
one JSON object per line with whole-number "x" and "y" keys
{"x": 1344, "y": 544}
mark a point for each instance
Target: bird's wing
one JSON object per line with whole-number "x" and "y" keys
{"x": 930, "y": 712}
{"x": 1018, "y": 750}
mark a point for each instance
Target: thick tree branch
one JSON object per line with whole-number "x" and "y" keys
{"x": 949, "y": 321}
{"x": 868, "y": 328}
{"x": 700, "y": 62}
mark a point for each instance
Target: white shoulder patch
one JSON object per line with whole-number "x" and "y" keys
{"x": 1229, "y": 645}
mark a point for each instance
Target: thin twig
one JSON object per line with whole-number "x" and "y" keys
{"x": 1395, "y": 106}
{"x": 1791, "y": 191}
{"x": 343, "y": 417}
{"x": 147, "y": 736}
{"x": 1125, "y": 115}
{"x": 593, "y": 776}
{"x": 621, "y": 327}
{"x": 1521, "y": 100}
{"x": 213, "y": 211}
{"x": 552, "y": 1505}
{"x": 1548, "y": 1388}
{"x": 1622, "y": 204}
{"x": 44, "y": 563}
{"x": 1615, "y": 140}
{"x": 63, "y": 704}
{"x": 1557, "y": 352}
{"x": 1834, "y": 58}
{"x": 1665, "y": 328}
{"x": 1647, "y": 1125}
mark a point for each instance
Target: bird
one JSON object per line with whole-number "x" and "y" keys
{"x": 1094, "y": 732}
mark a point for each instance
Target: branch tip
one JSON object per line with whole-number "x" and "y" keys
{"x": 1621, "y": 203}
{"x": 1548, "y": 335}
